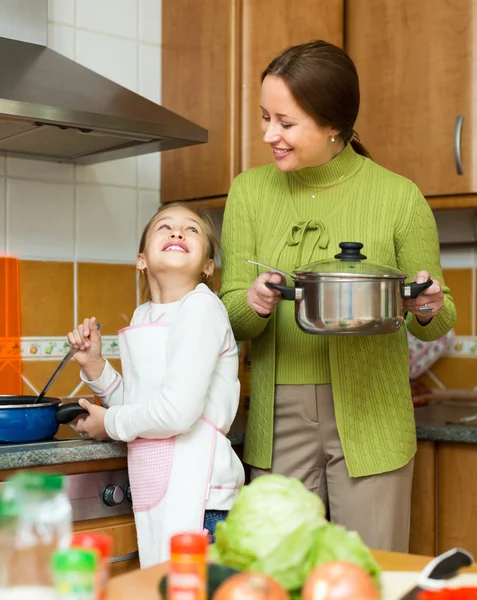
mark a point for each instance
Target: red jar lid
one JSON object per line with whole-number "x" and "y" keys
{"x": 98, "y": 541}
{"x": 189, "y": 543}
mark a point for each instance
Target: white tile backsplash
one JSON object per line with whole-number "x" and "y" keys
{"x": 61, "y": 38}
{"x": 40, "y": 220}
{"x": 149, "y": 171}
{"x": 150, "y": 72}
{"x": 150, "y": 21}
{"x": 458, "y": 258}
{"x": 3, "y": 217}
{"x": 95, "y": 212}
{"x": 148, "y": 206}
{"x": 39, "y": 170}
{"x": 61, "y": 11}
{"x": 106, "y": 223}
{"x": 115, "y": 172}
{"x": 116, "y": 17}
{"x": 112, "y": 57}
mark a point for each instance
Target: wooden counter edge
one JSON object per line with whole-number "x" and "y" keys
{"x": 144, "y": 583}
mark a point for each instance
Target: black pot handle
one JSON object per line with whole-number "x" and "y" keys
{"x": 287, "y": 292}
{"x": 68, "y": 412}
{"x": 413, "y": 290}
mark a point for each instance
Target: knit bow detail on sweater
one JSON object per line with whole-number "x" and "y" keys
{"x": 297, "y": 236}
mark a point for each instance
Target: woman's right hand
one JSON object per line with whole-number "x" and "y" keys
{"x": 262, "y": 299}
{"x": 87, "y": 338}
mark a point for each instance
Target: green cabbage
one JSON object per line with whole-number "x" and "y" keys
{"x": 333, "y": 542}
{"x": 279, "y": 528}
{"x": 266, "y": 513}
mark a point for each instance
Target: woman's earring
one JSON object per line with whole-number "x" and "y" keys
{"x": 333, "y": 138}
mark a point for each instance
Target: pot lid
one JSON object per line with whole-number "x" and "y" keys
{"x": 350, "y": 262}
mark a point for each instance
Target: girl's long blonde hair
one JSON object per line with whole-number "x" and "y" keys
{"x": 210, "y": 232}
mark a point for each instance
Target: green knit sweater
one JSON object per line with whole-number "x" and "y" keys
{"x": 271, "y": 217}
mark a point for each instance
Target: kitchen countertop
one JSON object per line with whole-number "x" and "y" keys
{"x": 36, "y": 454}
{"x": 431, "y": 422}
{"x": 430, "y": 425}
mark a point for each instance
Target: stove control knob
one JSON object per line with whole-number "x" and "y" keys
{"x": 128, "y": 493}
{"x": 113, "y": 495}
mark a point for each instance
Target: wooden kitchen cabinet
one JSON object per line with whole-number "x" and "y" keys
{"x": 457, "y": 497}
{"x": 123, "y": 532}
{"x": 213, "y": 54}
{"x": 423, "y": 503}
{"x": 418, "y": 74}
{"x": 268, "y": 27}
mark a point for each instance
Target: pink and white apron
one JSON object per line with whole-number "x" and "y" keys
{"x": 169, "y": 478}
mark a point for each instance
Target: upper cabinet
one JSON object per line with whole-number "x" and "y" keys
{"x": 418, "y": 74}
{"x": 200, "y": 48}
{"x": 268, "y": 27}
{"x": 213, "y": 54}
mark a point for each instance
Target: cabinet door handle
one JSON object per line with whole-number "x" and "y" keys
{"x": 124, "y": 557}
{"x": 458, "y": 130}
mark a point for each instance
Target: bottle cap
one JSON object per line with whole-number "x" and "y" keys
{"x": 189, "y": 543}
{"x": 38, "y": 481}
{"x": 95, "y": 541}
{"x": 75, "y": 559}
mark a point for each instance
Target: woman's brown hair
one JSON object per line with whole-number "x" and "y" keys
{"x": 209, "y": 230}
{"x": 323, "y": 80}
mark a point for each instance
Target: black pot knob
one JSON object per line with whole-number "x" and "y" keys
{"x": 350, "y": 251}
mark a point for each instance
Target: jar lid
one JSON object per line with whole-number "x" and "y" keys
{"x": 189, "y": 543}
{"x": 96, "y": 541}
{"x": 38, "y": 481}
{"x": 75, "y": 559}
{"x": 350, "y": 262}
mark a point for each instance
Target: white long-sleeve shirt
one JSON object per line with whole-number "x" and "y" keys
{"x": 200, "y": 379}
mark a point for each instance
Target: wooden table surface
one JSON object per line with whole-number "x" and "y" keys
{"x": 143, "y": 584}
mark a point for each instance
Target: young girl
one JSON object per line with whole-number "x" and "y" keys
{"x": 179, "y": 392}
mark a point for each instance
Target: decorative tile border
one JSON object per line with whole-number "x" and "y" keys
{"x": 53, "y": 348}
{"x": 463, "y": 346}
{"x": 49, "y": 348}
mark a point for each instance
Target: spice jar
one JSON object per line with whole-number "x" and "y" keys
{"x": 103, "y": 544}
{"x": 75, "y": 574}
{"x": 187, "y": 579}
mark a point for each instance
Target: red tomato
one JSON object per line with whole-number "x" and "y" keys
{"x": 339, "y": 580}
{"x": 250, "y": 586}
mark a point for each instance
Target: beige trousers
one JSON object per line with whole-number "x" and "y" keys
{"x": 307, "y": 446}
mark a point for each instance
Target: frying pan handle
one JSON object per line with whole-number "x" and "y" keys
{"x": 287, "y": 292}
{"x": 413, "y": 290}
{"x": 68, "y": 412}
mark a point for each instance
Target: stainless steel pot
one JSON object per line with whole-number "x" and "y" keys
{"x": 348, "y": 295}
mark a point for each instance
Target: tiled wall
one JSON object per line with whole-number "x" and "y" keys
{"x": 75, "y": 229}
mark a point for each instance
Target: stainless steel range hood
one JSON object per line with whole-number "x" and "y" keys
{"x": 52, "y": 108}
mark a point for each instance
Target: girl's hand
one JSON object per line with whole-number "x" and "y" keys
{"x": 92, "y": 426}
{"x": 431, "y": 300}
{"x": 87, "y": 338}
{"x": 262, "y": 299}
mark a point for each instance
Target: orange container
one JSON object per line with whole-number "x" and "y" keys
{"x": 187, "y": 578}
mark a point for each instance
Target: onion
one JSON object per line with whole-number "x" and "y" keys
{"x": 339, "y": 580}
{"x": 250, "y": 586}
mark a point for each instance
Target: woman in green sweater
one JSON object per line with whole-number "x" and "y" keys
{"x": 335, "y": 412}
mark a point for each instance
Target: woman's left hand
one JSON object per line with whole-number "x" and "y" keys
{"x": 92, "y": 426}
{"x": 431, "y": 299}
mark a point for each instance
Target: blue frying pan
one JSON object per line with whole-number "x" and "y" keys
{"x": 21, "y": 420}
